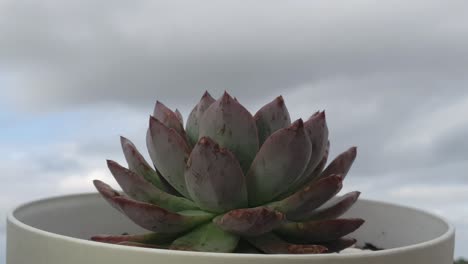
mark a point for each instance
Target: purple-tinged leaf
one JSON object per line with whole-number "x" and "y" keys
{"x": 281, "y": 159}
{"x": 214, "y": 178}
{"x": 309, "y": 179}
{"x": 195, "y": 116}
{"x": 317, "y": 130}
{"x": 334, "y": 208}
{"x": 272, "y": 244}
{"x": 138, "y": 188}
{"x": 206, "y": 238}
{"x": 271, "y": 117}
{"x": 152, "y": 238}
{"x": 108, "y": 193}
{"x": 250, "y": 221}
{"x": 179, "y": 116}
{"x": 319, "y": 231}
{"x": 341, "y": 164}
{"x": 137, "y": 163}
{"x": 167, "y": 117}
{"x": 339, "y": 244}
{"x": 159, "y": 220}
{"x": 169, "y": 152}
{"x": 299, "y": 205}
{"x": 230, "y": 125}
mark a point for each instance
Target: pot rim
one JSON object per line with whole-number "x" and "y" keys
{"x": 13, "y": 220}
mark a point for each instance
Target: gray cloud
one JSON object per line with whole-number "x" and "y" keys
{"x": 79, "y": 52}
{"x": 391, "y": 76}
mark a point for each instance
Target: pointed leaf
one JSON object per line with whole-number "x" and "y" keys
{"x": 179, "y": 116}
{"x": 272, "y": 244}
{"x": 169, "y": 153}
{"x": 281, "y": 159}
{"x": 214, "y": 178}
{"x": 250, "y": 221}
{"x": 319, "y": 231}
{"x": 315, "y": 174}
{"x": 206, "y": 238}
{"x": 137, "y": 163}
{"x": 229, "y": 124}
{"x": 318, "y": 170}
{"x": 271, "y": 117}
{"x": 317, "y": 130}
{"x": 138, "y": 188}
{"x": 299, "y": 205}
{"x": 341, "y": 164}
{"x": 152, "y": 238}
{"x": 339, "y": 244}
{"x": 195, "y": 116}
{"x": 168, "y": 118}
{"x": 334, "y": 208}
{"x": 157, "y": 219}
{"x": 108, "y": 193}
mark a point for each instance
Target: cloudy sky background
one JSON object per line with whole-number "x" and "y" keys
{"x": 392, "y": 77}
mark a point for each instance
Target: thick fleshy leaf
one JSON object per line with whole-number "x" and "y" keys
{"x": 137, "y": 163}
{"x": 152, "y": 238}
{"x": 179, "y": 116}
{"x": 167, "y": 186}
{"x": 157, "y": 219}
{"x": 250, "y": 221}
{"x": 321, "y": 165}
{"x": 272, "y": 244}
{"x": 341, "y": 164}
{"x": 168, "y": 118}
{"x": 300, "y": 204}
{"x": 229, "y": 124}
{"x": 307, "y": 180}
{"x": 319, "y": 231}
{"x": 108, "y": 193}
{"x": 214, "y": 178}
{"x": 138, "y": 188}
{"x": 169, "y": 152}
{"x": 271, "y": 117}
{"x": 335, "y": 207}
{"x": 339, "y": 244}
{"x": 206, "y": 238}
{"x": 195, "y": 116}
{"x": 317, "y": 130}
{"x": 281, "y": 159}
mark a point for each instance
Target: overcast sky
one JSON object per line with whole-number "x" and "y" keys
{"x": 392, "y": 77}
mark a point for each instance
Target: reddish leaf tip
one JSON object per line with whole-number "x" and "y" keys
{"x": 206, "y": 94}
{"x": 297, "y": 125}
{"x": 280, "y": 101}
{"x": 226, "y": 98}
{"x": 321, "y": 115}
{"x": 111, "y": 163}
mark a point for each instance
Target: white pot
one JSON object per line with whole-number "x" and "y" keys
{"x": 55, "y": 231}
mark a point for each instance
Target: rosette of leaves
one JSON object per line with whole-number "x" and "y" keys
{"x": 233, "y": 182}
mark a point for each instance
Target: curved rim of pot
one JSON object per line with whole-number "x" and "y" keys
{"x": 450, "y": 232}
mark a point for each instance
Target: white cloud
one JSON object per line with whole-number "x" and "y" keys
{"x": 82, "y": 182}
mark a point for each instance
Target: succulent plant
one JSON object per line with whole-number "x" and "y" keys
{"x": 233, "y": 182}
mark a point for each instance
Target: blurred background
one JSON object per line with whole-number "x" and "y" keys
{"x": 392, "y": 77}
